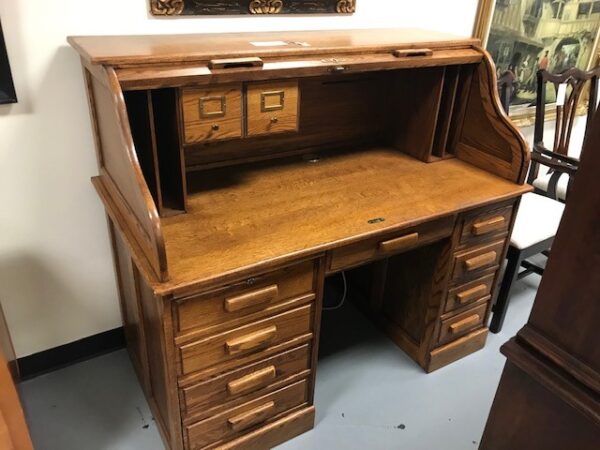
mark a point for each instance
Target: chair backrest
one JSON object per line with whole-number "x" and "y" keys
{"x": 574, "y": 81}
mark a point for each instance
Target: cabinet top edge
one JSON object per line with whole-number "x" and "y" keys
{"x": 181, "y": 48}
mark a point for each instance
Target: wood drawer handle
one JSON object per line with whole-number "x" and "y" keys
{"x": 250, "y": 341}
{"x": 235, "y": 63}
{"x": 399, "y": 243}
{"x": 480, "y": 261}
{"x": 252, "y": 417}
{"x": 251, "y": 381}
{"x": 471, "y": 294}
{"x": 253, "y": 298}
{"x": 412, "y": 52}
{"x": 464, "y": 324}
{"x": 487, "y": 226}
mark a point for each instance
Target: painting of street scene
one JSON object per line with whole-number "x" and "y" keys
{"x": 528, "y": 35}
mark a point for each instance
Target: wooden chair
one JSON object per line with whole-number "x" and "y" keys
{"x": 540, "y": 212}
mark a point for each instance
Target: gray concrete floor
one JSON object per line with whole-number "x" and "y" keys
{"x": 369, "y": 394}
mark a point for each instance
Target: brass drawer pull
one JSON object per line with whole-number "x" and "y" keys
{"x": 471, "y": 294}
{"x": 487, "y": 226}
{"x": 235, "y": 63}
{"x": 399, "y": 243}
{"x": 251, "y": 381}
{"x": 412, "y": 52}
{"x": 480, "y": 261}
{"x": 252, "y": 417}
{"x": 464, "y": 324}
{"x": 251, "y": 341}
{"x": 258, "y": 297}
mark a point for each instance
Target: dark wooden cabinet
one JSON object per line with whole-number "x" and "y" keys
{"x": 236, "y": 176}
{"x": 549, "y": 393}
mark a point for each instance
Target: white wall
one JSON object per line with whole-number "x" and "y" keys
{"x": 56, "y": 276}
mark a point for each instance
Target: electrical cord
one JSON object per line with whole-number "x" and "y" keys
{"x": 341, "y": 303}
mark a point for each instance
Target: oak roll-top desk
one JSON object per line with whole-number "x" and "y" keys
{"x": 239, "y": 170}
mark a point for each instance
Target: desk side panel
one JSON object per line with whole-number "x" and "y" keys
{"x": 488, "y": 139}
{"x": 119, "y": 167}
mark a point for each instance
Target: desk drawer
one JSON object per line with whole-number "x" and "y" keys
{"x": 481, "y": 226}
{"x": 226, "y": 425}
{"x": 245, "y": 380}
{"x": 463, "y": 323}
{"x": 246, "y": 297}
{"x": 211, "y": 114}
{"x": 371, "y": 249}
{"x": 245, "y": 340}
{"x": 473, "y": 261}
{"x": 272, "y": 107}
{"x": 468, "y": 293}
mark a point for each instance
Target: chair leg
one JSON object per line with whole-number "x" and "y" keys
{"x": 514, "y": 258}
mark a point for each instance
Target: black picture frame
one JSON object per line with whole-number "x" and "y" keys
{"x": 7, "y": 87}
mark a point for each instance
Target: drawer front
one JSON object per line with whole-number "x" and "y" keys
{"x": 463, "y": 323}
{"x": 485, "y": 225}
{"x": 212, "y": 114}
{"x": 469, "y": 293}
{"x": 364, "y": 251}
{"x": 246, "y": 380}
{"x": 272, "y": 107}
{"x": 471, "y": 262}
{"x": 226, "y": 425}
{"x": 249, "y": 296}
{"x": 245, "y": 340}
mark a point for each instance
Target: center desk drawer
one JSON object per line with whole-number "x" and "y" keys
{"x": 247, "y": 379}
{"x": 371, "y": 249}
{"x": 246, "y": 297}
{"x": 228, "y": 424}
{"x": 245, "y": 340}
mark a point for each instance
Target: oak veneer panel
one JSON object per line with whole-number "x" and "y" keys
{"x": 119, "y": 50}
{"x": 232, "y": 225}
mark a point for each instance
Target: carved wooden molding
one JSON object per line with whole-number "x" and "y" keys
{"x": 265, "y": 6}
{"x": 346, "y": 6}
{"x": 166, "y": 7}
{"x": 250, "y": 7}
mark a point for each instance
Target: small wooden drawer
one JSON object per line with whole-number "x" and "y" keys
{"x": 371, "y": 249}
{"x": 224, "y": 426}
{"x": 246, "y": 297}
{"x": 463, "y": 323}
{"x": 471, "y": 292}
{"x": 246, "y": 380}
{"x": 479, "y": 227}
{"x": 245, "y": 340}
{"x": 211, "y": 114}
{"x": 272, "y": 107}
{"x": 471, "y": 262}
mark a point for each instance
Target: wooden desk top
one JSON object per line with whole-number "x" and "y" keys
{"x": 274, "y": 211}
{"x": 125, "y": 50}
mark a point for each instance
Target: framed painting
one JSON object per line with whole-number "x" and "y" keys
{"x": 7, "y": 87}
{"x": 524, "y": 36}
{"x": 251, "y": 7}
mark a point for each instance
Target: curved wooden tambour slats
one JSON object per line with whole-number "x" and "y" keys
{"x": 488, "y": 138}
{"x": 120, "y": 172}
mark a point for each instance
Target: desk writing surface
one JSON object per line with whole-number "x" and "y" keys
{"x": 273, "y": 210}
